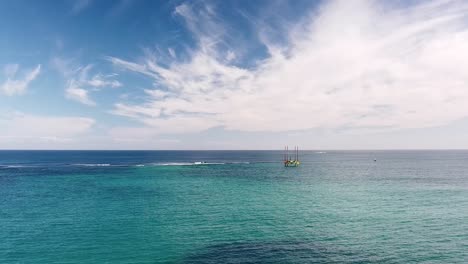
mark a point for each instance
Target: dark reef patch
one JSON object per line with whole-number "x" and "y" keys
{"x": 275, "y": 252}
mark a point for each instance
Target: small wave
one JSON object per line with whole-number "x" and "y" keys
{"x": 93, "y": 164}
{"x": 185, "y": 163}
{"x": 172, "y": 164}
{"x": 196, "y": 163}
{"x": 320, "y": 152}
{"x": 209, "y": 163}
{"x": 14, "y": 166}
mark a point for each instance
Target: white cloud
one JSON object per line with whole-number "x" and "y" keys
{"x": 205, "y": 26}
{"x": 82, "y": 77}
{"x": 65, "y": 66}
{"x": 141, "y": 138}
{"x": 22, "y": 126}
{"x": 74, "y": 92}
{"x": 132, "y": 134}
{"x": 131, "y": 66}
{"x": 172, "y": 53}
{"x": 230, "y": 55}
{"x": 80, "y": 81}
{"x": 100, "y": 80}
{"x": 14, "y": 86}
{"x": 352, "y": 64}
{"x": 10, "y": 70}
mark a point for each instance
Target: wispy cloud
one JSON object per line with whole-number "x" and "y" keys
{"x": 142, "y": 138}
{"x": 83, "y": 77}
{"x": 205, "y": 26}
{"x": 33, "y": 126}
{"x": 66, "y": 67}
{"x": 100, "y": 80}
{"x": 74, "y": 92}
{"x": 26, "y": 131}
{"x": 80, "y": 81}
{"x": 80, "y": 5}
{"x": 352, "y": 64}
{"x": 14, "y": 85}
{"x": 121, "y": 6}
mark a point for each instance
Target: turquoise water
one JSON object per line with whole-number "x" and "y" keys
{"x": 241, "y": 207}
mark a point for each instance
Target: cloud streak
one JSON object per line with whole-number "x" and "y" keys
{"x": 359, "y": 64}
{"x": 74, "y": 92}
{"x": 80, "y": 5}
{"x": 80, "y": 81}
{"x": 17, "y": 86}
{"x": 26, "y": 131}
{"x": 21, "y": 125}
{"x": 100, "y": 80}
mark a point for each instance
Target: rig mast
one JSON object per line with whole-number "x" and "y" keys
{"x": 288, "y": 160}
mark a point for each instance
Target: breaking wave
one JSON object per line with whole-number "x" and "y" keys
{"x": 92, "y": 164}
{"x": 197, "y": 163}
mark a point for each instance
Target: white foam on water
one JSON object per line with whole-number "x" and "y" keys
{"x": 14, "y": 166}
{"x": 93, "y": 164}
{"x": 173, "y": 164}
{"x": 197, "y": 163}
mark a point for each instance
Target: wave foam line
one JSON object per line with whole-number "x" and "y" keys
{"x": 93, "y": 164}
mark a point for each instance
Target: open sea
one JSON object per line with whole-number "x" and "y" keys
{"x": 238, "y": 207}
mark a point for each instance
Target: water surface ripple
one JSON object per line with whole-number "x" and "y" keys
{"x": 233, "y": 207}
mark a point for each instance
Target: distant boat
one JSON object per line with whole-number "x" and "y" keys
{"x": 290, "y": 161}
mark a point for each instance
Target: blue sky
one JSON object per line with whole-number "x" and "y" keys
{"x": 134, "y": 74}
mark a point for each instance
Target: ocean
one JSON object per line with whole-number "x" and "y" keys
{"x": 237, "y": 207}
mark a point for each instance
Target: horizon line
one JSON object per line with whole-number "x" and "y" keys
{"x": 415, "y": 149}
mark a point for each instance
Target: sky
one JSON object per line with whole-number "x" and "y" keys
{"x": 135, "y": 74}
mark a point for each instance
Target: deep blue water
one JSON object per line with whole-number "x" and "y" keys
{"x": 239, "y": 207}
